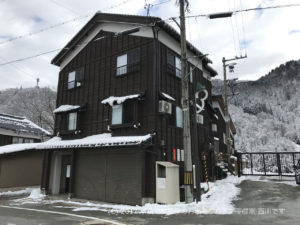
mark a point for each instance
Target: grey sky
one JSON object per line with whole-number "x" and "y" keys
{"x": 269, "y": 37}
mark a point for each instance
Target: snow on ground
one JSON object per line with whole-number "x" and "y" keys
{"x": 217, "y": 201}
{"x": 16, "y": 193}
{"x": 274, "y": 179}
{"x": 35, "y": 196}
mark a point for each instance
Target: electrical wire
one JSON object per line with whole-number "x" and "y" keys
{"x": 58, "y": 24}
{"x": 64, "y": 6}
{"x": 243, "y": 29}
{"x": 232, "y": 30}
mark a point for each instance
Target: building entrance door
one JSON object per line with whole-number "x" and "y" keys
{"x": 65, "y": 174}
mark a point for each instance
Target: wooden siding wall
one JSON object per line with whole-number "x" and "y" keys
{"x": 5, "y": 140}
{"x": 100, "y": 81}
{"x": 221, "y": 129}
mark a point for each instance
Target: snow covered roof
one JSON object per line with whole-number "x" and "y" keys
{"x": 167, "y": 97}
{"x": 20, "y": 124}
{"x": 113, "y": 100}
{"x": 99, "y": 140}
{"x": 66, "y": 108}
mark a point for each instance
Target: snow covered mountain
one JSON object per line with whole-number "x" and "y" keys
{"x": 36, "y": 104}
{"x": 266, "y": 112}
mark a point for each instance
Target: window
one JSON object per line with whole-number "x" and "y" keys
{"x": 117, "y": 114}
{"x": 174, "y": 64}
{"x": 128, "y": 62}
{"x": 224, "y": 138}
{"x": 75, "y": 78}
{"x": 175, "y": 119}
{"x": 17, "y": 140}
{"x": 191, "y": 73}
{"x": 214, "y": 127}
{"x": 72, "y": 121}
{"x": 179, "y": 122}
{"x": 123, "y": 113}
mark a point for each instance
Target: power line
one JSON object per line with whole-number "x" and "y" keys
{"x": 59, "y": 24}
{"x": 64, "y": 6}
{"x": 250, "y": 9}
{"x": 44, "y": 29}
{"x": 30, "y": 57}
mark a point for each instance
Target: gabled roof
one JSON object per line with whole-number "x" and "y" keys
{"x": 20, "y": 124}
{"x": 100, "y": 17}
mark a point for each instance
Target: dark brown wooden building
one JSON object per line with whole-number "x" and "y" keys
{"x": 219, "y": 126}
{"x": 121, "y": 74}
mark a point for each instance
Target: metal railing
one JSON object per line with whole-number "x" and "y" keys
{"x": 268, "y": 163}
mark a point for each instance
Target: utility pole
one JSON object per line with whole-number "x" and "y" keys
{"x": 227, "y": 118}
{"x": 188, "y": 168}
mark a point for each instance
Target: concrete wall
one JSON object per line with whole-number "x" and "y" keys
{"x": 21, "y": 169}
{"x": 109, "y": 175}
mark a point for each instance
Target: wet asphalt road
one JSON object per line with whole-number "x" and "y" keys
{"x": 259, "y": 203}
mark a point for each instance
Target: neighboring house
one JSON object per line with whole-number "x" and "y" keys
{"x": 16, "y": 130}
{"x": 20, "y": 164}
{"x": 121, "y": 75}
{"x": 219, "y": 126}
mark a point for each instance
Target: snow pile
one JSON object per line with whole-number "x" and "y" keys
{"x": 36, "y": 194}
{"x": 16, "y": 193}
{"x": 99, "y": 140}
{"x": 66, "y": 108}
{"x": 217, "y": 201}
{"x": 167, "y": 96}
{"x": 112, "y": 100}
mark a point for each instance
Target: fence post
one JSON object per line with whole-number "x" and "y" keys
{"x": 264, "y": 163}
{"x": 251, "y": 163}
{"x": 278, "y": 164}
{"x": 239, "y": 165}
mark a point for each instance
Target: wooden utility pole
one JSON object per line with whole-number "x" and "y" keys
{"x": 188, "y": 167}
{"x": 227, "y": 118}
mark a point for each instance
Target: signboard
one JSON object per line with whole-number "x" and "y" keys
{"x": 174, "y": 154}
{"x": 161, "y": 183}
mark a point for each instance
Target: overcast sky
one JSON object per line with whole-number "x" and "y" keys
{"x": 268, "y": 37}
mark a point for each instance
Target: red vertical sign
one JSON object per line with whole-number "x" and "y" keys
{"x": 174, "y": 153}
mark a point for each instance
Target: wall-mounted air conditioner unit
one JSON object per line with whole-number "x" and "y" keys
{"x": 165, "y": 107}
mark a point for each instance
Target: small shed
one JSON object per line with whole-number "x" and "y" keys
{"x": 167, "y": 182}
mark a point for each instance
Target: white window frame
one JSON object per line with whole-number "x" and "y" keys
{"x": 122, "y": 62}
{"x": 72, "y": 122}
{"x": 179, "y": 117}
{"x": 72, "y": 79}
{"x": 117, "y": 114}
{"x": 177, "y": 67}
{"x": 191, "y": 74}
{"x": 224, "y": 139}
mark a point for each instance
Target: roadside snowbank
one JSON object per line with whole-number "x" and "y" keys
{"x": 16, "y": 193}
{"x": 217, "y": 201}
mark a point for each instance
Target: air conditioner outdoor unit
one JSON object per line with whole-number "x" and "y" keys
{"x": 199, "y": 118}
{"x": 165, "y": 107}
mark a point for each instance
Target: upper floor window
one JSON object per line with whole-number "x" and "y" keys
{"x": 72, "y": 121}
{"x": 191, "y": 70}
{"x": 123, "y": 113}
{"x": 175, "y": 119}
{"x": 214, "y": 127}
{"x": 128, "y": 62}
{"x": 75, "y": 78}
{"x": 174, "y": 64}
